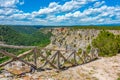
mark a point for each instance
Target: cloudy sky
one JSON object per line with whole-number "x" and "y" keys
{"x": 59, "y": 12}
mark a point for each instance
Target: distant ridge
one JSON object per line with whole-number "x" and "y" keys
{"x": 47, "y": 26}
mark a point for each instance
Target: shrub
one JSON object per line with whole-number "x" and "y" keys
{"x": 88, "y": 48}
{"x": 79, "y": 51}
{"x": 118, "y": 79}
{"x": 107, "y": 43}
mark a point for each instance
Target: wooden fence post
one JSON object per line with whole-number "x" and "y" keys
{"x": 74, "y": 53}
{"x": 35, "y": 56}
{"x": 58, "y": 59}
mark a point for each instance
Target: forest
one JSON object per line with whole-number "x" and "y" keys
{"x": 28, "y": 36}
{"x": 25, "y": 36}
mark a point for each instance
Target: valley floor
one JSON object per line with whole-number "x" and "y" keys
{"x": 101, "y": 69}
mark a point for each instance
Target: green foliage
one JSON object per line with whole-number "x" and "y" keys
{"x": 118, "y": 42}
{"x": 4, "y": 59}
{"x": 24, "y": 29}
{"x": 118, "y": 79}
{"x": 107, "y": 43}
{"x": 96, "y": 27}
{"x": 88, "y": 48}
{"x": 79, "y": 51}
{"x": 13, "y": 51}
{"x": 41, "y": 39}
{"x": 10, "y": 36}
{"x": 48, "y": 53}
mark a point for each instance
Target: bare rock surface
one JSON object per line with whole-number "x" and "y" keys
{"x": 17, "y": 67}
{"x": 101, "y": 69}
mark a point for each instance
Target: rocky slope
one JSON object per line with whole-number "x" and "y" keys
{"x": 72, "y": 39}
{"x": 66, "y": 38}
{"x": 63, "y": 38}
{"x": 101, "y": 69}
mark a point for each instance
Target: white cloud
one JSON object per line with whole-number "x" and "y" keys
{"x": 9, "y": 11}
{"x": 20, "y": 16}
{"x": 98, "y": 4}
{"x": 66, "y": 7}
{"x": 103, "y": 14}
{"x": 52, "y": 8}
{"x": 8, "y": 3}
{"x": 21, "y": 3}
{"x": 53, "y": 4}
{"x": 68, "y": 13}
{"x": 75, "y": 4}
{"x": 8, "y": 8}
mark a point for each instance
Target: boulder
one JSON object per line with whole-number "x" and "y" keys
{"x": 17, "y": 67}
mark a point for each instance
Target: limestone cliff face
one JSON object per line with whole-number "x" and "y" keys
{"x": 72, "y": 39}
{"x": 66, "y": 38}
{"x": 115, "y": 32}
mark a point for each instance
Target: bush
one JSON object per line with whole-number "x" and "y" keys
{"x": 118, "y": 41}
{"x": 79, "y": 51}
{"x": 118, "y": 79}
{"x": 107, "y": 43}
{"x": 88, "y": 48}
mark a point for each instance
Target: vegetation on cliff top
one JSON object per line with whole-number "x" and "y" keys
{"x": 97, "y": 27}
{"x": 107, "y": 43}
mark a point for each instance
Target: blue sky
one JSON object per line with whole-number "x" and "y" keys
{"x": 59, "y": 12}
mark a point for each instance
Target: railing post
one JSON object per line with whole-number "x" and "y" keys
{"x": 35, "y": 57}
{"x": 83, "y": 56}
{"x": 75, "y": 57}
{"x": 58, "y": 59}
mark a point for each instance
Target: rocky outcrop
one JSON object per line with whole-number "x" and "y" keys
{"x": 17, "y": 68}
{"x": 73, "y": 39}
{"x": 116, "y": 32}
{"x": 66, "y": 38}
